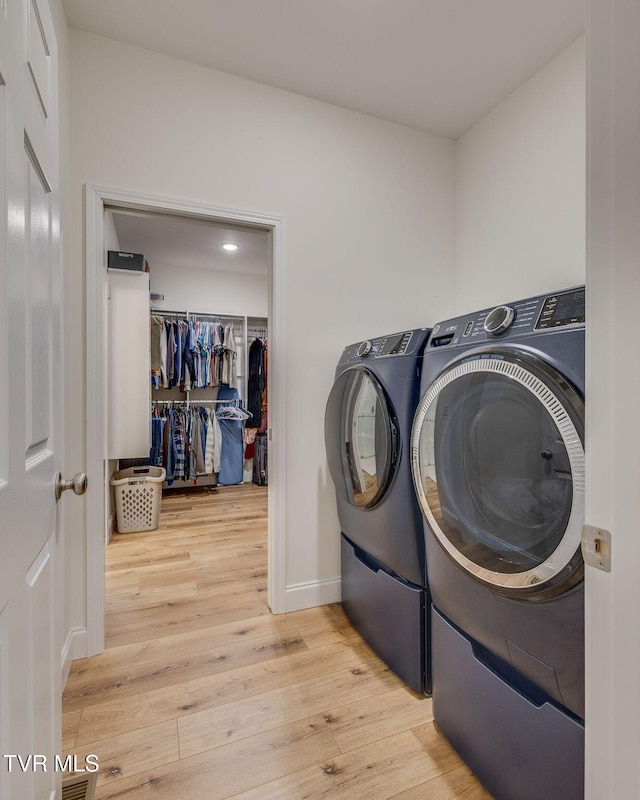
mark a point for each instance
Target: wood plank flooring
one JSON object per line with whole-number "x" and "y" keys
{"x": 203, "y": 694}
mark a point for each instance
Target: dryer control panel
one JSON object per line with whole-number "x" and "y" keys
{"x": 534, "y": 314}
{"x": 394, "y": 345}
{"x": 405, "y": 343}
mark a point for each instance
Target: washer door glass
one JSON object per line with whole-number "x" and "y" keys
{"x": 360, "y": 437}
{"x": 498, "y": 463}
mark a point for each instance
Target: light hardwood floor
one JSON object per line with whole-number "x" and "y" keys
{"x": 203, "y": 694}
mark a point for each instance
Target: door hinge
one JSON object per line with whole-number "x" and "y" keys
{"x": 596, "y": 547}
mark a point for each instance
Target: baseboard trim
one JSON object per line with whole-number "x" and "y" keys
{"x": 75, "y": 647}
{"x": 299, "y": 596}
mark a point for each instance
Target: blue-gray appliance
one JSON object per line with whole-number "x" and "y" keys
{"x": 498, "y": 466}
{"x": 367, "y": 432}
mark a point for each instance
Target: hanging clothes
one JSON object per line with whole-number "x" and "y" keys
{"x": 260, "y": 471}
{"x": 255, "y": 382}
{"x": 232, "y": 450}
{"x": 180, "y": 437}
{"x": 157, "y": 436}
{"x": 256, "y": 446}
{"x": 192, "y": 354}
{"x": 249, "y": 440}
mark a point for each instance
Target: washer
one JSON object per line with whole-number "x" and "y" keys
{"x": 498, "y": 466}
{"x": 367, "y": 432}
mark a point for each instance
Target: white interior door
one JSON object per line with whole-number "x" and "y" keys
{"x": 30, "y": 403}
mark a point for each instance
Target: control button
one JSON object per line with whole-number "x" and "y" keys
{"x": 363, "y": 349}
{"x": 499, "y": 320}
{"x": 468, "y": 328}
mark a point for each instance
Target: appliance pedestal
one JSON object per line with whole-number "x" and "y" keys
{"x": 518, "y": 743}
{"x": 389, "y": 614}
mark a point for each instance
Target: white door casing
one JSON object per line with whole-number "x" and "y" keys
{"x": 613, "y": 388}
{"x": 30, "y": 399}
{"x": 96, "y": 199}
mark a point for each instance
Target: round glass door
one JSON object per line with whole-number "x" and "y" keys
{"x": 498, "y": 465}
{"x": 360, "y": 438}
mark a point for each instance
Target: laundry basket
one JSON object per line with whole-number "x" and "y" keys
{"x": 138, "y": 492}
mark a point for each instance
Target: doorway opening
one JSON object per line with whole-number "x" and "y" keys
{"x": 133, "y": 212}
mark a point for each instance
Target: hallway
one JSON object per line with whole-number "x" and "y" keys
{"x": 203, "y": 693}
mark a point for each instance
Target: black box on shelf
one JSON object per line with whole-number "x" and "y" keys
{"x": 133, "y": 262}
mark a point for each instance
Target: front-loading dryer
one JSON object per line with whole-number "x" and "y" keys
{"x": 498, "y": 467}
{"x": 368, "y": 422}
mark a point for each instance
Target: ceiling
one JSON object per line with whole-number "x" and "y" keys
{"x": 435, "y": 65}
{"x": 185, "y": 242}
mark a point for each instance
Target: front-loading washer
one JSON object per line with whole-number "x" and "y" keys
{"x": 498, "y": 467}
{"x": 368, "y": 422}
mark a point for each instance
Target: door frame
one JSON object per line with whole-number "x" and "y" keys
{"x": 96, "y": 199}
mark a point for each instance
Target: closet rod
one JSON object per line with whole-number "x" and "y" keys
{"x": 169, "y": 313}
{"x": 229, "y": 402}
{"x": 217, "y": 316}
{"x": 183, "y": 313}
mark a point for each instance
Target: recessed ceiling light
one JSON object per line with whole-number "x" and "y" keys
{"x": 230, "y": 246}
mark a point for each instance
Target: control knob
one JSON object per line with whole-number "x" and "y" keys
{"x": 363, "y": 349}
{"x": 499, "y": 320}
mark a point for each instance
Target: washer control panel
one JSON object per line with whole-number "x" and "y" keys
{"x": 566, "y": 308}
{"x": 543, "y": 314}
{"x": 499, "y": 320}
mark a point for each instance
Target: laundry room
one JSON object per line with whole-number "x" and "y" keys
{"x": 447, "y": 195}
{"x": 444, "y": 226}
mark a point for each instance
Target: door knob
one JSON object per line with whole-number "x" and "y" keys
{"x": 78, "y": 483}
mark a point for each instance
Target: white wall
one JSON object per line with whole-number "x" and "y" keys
{"x": 211, "y": 292}
{"x": 520, "y": 190}
{"x": 369, "y": 210}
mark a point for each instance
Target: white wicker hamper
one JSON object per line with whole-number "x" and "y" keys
{"x": 138, "y": 493}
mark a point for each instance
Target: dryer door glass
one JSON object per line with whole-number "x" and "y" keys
{"x": 498, "y": 464}
{"x": 360, "y": 437}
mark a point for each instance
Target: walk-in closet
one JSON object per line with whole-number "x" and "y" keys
{"x": 188, "y": 349}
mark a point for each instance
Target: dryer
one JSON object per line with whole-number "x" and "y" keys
{"x": 498, "y": 467}
{"x": 367, "y": 432}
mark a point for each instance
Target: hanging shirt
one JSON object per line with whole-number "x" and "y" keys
{"x": 163, "y": 357}
{"x": 229, "y": 370}
{"x": 157, "y": 325}
{"x": 213, "y": 443}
